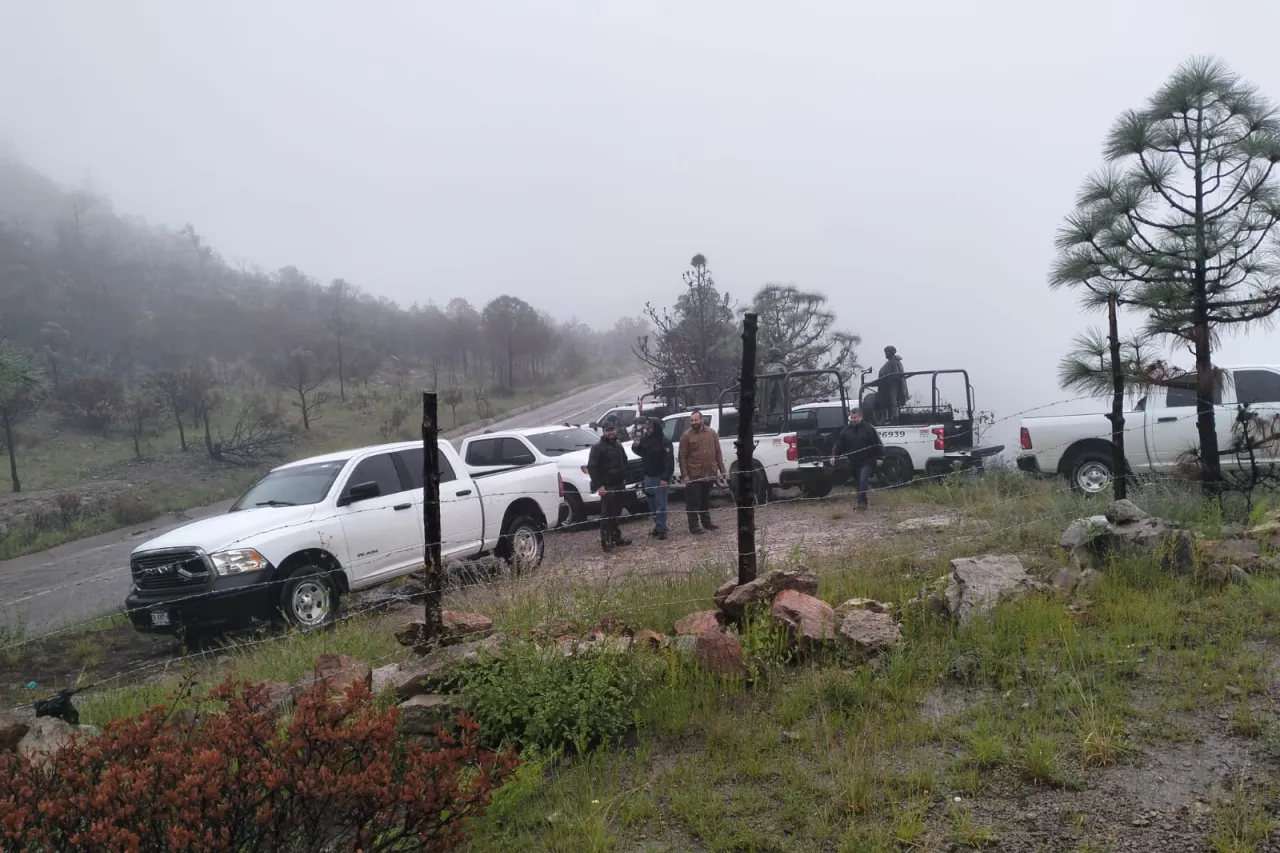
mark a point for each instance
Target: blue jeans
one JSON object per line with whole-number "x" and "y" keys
{"x": 657, "y": 502}
{"x": 864, "y": 481}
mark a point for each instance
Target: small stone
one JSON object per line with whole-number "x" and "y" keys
{"x": 1125, "y": 512}
{"x": 423, "y": 674}
{"x": 458, "y": 627}
{"x": 650, "y": 641}
{"x": 978, "y": 584}
{"x": 336, "y": 672}
{"x": 722, "y": 593}
{"x": 870, "y": 604}
{"x": 1237, "y": 575}
{"x": 11, "y": 732}
{"x": 699, "y": 623}
{"x": 419, "y": 715}
{"x": 1065, "y": 578}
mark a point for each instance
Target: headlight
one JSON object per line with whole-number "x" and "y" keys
{"x": 238, "y": 562}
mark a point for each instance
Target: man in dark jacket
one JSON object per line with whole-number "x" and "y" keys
{"x": 607, "y": 467}
{"x": 860, "y": 444}
{"x": 659, "y": 460}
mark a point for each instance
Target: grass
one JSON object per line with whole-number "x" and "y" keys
{"x": 53, "y": 457}
{"x": 1038, "y": 700}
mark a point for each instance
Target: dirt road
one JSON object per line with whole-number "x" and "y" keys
{"x": 90, "y": 578}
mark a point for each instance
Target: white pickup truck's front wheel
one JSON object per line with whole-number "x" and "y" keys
{"x": 1091, "y": 473}
{"x": 308, "y": 599}
{"x": 522, "y": 544}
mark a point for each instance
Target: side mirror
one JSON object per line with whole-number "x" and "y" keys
{"x": 593, "y": 425}
{"x": 360, "y": 492}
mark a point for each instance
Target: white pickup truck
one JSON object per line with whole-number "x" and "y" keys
{"x": 776, "y": 457}
{"x": 311, "y": 531}
{"x": 1158, "y": 432}
{"x": 566, "y": 447}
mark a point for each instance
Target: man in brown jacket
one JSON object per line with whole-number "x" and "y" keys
{"x": 701, "y": 463}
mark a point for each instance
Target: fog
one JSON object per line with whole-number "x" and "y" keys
{"x": 911, "y": 161}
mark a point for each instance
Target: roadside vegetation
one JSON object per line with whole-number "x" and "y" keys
{"x": 1039, "y": 727}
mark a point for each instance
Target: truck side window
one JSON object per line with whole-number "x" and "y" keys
{"x": 830, "y": 417}
{"x": 378, "y": 469}
{"x": 483, "y": 451}
{"x": 412, "y": 460}
{"x": 1257, "y": 386}
{"x": 514, "y": 452}
{"x": 1184, "y": 396}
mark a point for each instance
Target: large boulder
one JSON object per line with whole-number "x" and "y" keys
{"x": 335, "y": 672}
{"x": 12, "y": 731}
{"x": 699, "y": 623}
{"x": 869, "y": 631}
{"x": 1246, "y": 553}
{"x": 1126, "y": 531}
{"x": 44, "y": 737}
{"x": 809, "y": 620}
{"x": 763, "y": 589}
{"x": 978, "y": 584}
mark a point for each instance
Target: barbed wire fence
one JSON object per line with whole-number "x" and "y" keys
{"x": 526, "y": 586}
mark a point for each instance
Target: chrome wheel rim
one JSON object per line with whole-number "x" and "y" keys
{"x": 1093, "y": 477}
{"x": 310, "y": 603}
{"x": 524, "y": 546}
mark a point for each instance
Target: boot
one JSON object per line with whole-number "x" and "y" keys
{"x": 706, "y": 522}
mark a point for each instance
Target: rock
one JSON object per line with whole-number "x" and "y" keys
{"x": 721, "y": 653}
{"x": 723, "y": 592}
{"x": 336, "y": 672}
{"x": 1083, "y": 531}
{"x": 810, "y": 620}
{"x": 423, "y": 674}
{"x": 684, "y": 644}
{"x": 1125, "y": 512}
{"x": 1065, "y": 578}
{"x": 11, "y": 732}
{"x": 926, "y": 521}
{"x": 1242, "y": 552}
{"x": 870, "y": 631}
{"x": 88, "y": 731}
{"x": 650, "y": 641}
{"x": 844, "y": 609}
{"x": 1232, "y": 531}
{"x": 699, "y": 623}
{"x": 46, "y": 736}
{"x": 1088, "y": 579}
{"x": 279, "y": 695}
{"x": 419, "y": 715}
{"x": 459, "y": 627}
{"x": 763, "y": 589}
{"x": 978, "y": 584}
{"x": 1237, "y": 575}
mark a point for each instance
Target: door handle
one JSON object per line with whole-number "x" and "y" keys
{"x": 463, "y": 493}
{"x": 1165, "y": 420}
{"x": 399, "y": 507}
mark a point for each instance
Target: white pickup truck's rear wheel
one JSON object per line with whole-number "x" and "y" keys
{"x": 522, "y": 544}
{"x": 309, "y": 599}
{"x": 1092, "y": 472}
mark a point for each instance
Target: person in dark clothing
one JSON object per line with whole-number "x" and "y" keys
{"x": 860, "y": 444}
{"x": 659, "y": 461}
{"x": 607, "y": 467}
{"x": 892, "y": 384}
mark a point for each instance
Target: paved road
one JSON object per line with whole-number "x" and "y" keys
{"x": 90, "y": 578}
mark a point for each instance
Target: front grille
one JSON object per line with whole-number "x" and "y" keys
{"x": 177, "y": 568}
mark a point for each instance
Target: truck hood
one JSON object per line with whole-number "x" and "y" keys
{"x": 230, "y": 529}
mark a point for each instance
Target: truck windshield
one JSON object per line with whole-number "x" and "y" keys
{"x": 562, "y": 441}
{"x": 296, "y": 485}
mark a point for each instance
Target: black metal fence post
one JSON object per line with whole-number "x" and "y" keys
{"x": 433, "y": 622}
{"x": 746, "y": 455}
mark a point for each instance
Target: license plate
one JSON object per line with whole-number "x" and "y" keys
{"x": 159, "y": 617}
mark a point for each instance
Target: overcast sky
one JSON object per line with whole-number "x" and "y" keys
{"x": 911, "y": 160}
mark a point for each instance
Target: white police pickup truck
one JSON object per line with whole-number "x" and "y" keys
{"x": 312, "y": 531}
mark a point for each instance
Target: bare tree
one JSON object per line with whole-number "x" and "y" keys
{"x": 342, "y": 297}
{"x": 259, "y": 433}
{"x": 142, "y": 410}
{"x": 169, "y": 388}
{"x": 21, "y": 391}
{"x": 305, "y": 376}
{"x": 453, "y": 398}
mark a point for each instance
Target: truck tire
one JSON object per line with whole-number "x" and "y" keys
{"x": 1091, "y": 472}
{"x": 897, "y": 470}
{"x": 759, "y": 483}
{"x": 521, "y": 545}
{"x": 577, "y": 508}
{"x": 309, "y": 599}
{"x": 818, "y": 487}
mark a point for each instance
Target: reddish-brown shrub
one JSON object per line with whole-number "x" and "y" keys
{"x": 335, "y": 776}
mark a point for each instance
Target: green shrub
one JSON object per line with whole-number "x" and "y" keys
{"x": 539, "y": 697}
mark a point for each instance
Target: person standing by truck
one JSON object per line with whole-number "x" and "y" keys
{"x": 701, "y": 463}
{"x": 860, "y": 444}
{"x": 607, "y": 467}
{"x": 659, "y": 461}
